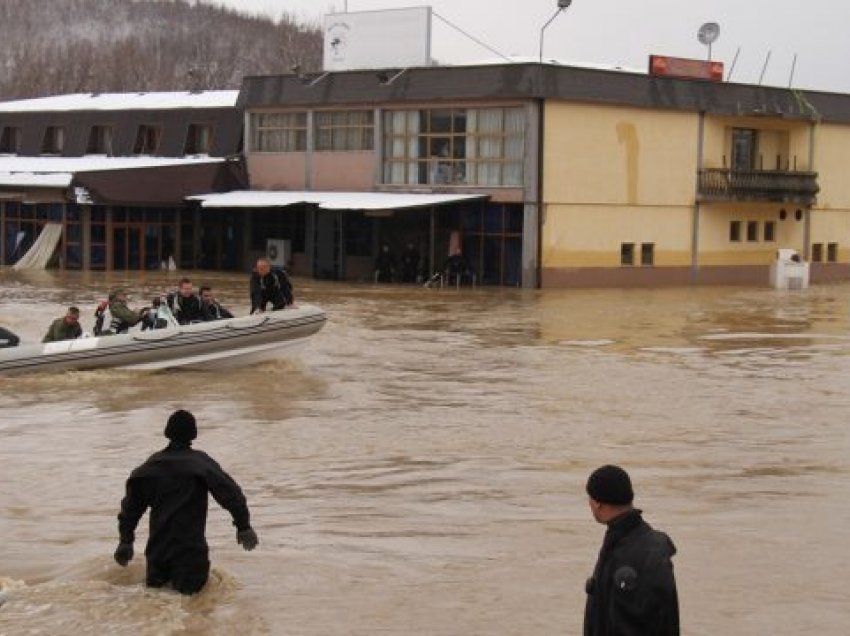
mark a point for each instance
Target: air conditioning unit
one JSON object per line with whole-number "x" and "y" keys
{"x": 278, "y": 251}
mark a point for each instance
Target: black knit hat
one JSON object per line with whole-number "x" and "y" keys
{"x": 610, "y": 485}
{"x": 181, "y": 427}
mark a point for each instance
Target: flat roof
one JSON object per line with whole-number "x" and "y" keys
{"x": 328, "y": 200}
{"x": 122, "y": 101}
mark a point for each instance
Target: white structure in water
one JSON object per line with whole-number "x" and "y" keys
{"x": 788, "y": 271}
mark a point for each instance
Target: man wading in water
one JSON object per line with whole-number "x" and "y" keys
{"x": 174, "y": 483}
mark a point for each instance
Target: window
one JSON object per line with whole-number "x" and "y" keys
{"x": 100, "y": 141}
{"x": 735, "y": 231}
{"x": 817, "y": 252}
{"x": 770, "y": 230}
{"x": 147, "y": 140}
{"x": 744, "y": 142}
{"x": 10, "y": 140}
{"x": 752, "y": 230}
{"x": 278, "y": 132}
{"x": 199, "y": 140}
{"x": 832, "y": 252}
{"x": 627, "y": 253}
{"x": 476, "y": 146}
{"x": 647, "y": 253}
{"x": 54, "y": 141}
{"x": 345, "y": 130}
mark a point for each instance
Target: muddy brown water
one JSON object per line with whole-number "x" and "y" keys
{"x": 419, "y": 467}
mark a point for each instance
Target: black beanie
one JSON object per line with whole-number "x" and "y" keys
{"x": 181, "y": 427}
{"x": 610, "y": 485}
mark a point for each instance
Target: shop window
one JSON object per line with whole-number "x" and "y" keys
{"x": 770, "y": 230}
{"x": 817, "y": 252}
{"x": 54, "y": 140}
{"x": 147, "y": 140}
{"x": 752, "y": 231}
{"x": 647, "y": 253}
{"x": 832, "y": 252}
{"x": 100, "y": 141}
{"x": 627, "y": 253}
{"x": 10, "y": 140}
{"x": 735, "y": 231}
{"x": 345, "y": 130}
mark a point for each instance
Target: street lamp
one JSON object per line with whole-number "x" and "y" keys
{"x": 562, "y": 6}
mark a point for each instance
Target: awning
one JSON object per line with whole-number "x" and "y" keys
{"x": 329, "y": 200}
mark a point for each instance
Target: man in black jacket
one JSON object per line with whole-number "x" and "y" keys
{"x": 269, "y": 286}
{"x": 632, "y": 591}
{"x": 185, "y": 304}
{"x": 175, "y": 483}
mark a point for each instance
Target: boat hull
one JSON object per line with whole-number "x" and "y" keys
{"x": 222, "y": 343}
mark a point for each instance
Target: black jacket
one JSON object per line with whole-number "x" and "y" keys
{"x": 214, "y": 311}
{"x": 185, "y": 310}
{"x": 274, "y": 288}
{"x": 174, "y": 483}
{"x": 633, "y": 590}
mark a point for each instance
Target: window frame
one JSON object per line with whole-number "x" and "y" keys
{"x": 10, "y": 140}
{"x": 752, "y": 231}
{"x": 627, "y": 254}
{"x": 734, "y": 231}
{"x": 53, "y": 141}
{"x": 284, "y": 136}
{"x": 195, "y": 132}
{"x": 832, "y": 252}
{"x": 769, "y": 235}
{"x": 329, "y": 126}
{"x": 817, "y": 252}
{"x": 144, "y": 133}
{"x": 100, "y": 140}
{"x": 647, "y": 254}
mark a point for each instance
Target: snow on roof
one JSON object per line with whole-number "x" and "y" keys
{"x": 57, "y": 172}
{"x": 122, "y": 101}
{"x": 519, "y": 59}
{"x": 327, "y": 200}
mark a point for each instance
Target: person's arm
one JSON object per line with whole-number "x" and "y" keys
{"x": 50, "y": 336}
{"x": 286, "y": 287}
{"x": 256, "y": 293}
{"x": 224, "y": 312}
{"x": 78, "y": 331}
{"x": 124, "y": 313}
{"x": 228, "y": 494}
{"x": 133, "y": 506}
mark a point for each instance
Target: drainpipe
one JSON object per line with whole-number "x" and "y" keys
{"x": 695, "y": 221}
{"x": 538, "y": 204}
{"x": 807, "y": 213}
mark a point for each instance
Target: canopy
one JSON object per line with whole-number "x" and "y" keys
{"x": 328, "y": 200}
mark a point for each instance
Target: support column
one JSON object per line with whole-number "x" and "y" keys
{"x": 2, "y": 233}
{"x": 696, "y": 215}
{"x": 196, "y": 238}
{"x": 85, "y": 229}
{"x": 534, "y": 210}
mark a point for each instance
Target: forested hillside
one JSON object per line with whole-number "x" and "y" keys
{"x": 49, "y": 47}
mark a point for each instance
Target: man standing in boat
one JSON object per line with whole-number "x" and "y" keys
{"x": 65, "y": 328}
{"x": 175, "y": 483}
{"x": 269, "y": 287}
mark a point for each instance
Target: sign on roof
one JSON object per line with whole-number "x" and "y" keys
{"x": 684, "y": 68}
{"x": 390, "y": 38}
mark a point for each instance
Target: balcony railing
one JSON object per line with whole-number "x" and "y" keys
{"x": 717, "y": 184}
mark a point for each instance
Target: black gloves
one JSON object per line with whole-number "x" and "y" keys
{"x": 123, "y": 554}
{"x": 247, "y": 539}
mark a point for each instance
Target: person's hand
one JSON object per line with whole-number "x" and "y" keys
{"x": 247, "y": 539}
{"x": 123, "y": 554}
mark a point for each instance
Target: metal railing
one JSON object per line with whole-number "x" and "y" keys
{"x": 719, "y": 184}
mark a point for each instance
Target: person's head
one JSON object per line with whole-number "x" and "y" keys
{"x": 264, "y": 266}
{"x": 610, "y": 494}
{"x": 118, "y": 295}
{"x": 73, "y": 316}
{"x": 185, "y": 288}
{"x": 206, "y": 294}
{"x": 181, "y": 427}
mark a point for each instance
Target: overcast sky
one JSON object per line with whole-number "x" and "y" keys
{"x": 625, "y": 32}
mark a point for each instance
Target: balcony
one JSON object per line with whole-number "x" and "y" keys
{"x": 719, "y": 184}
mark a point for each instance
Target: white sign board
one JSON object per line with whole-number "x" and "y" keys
{"x": 391, "y": 38}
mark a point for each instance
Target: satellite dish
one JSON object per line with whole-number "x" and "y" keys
{"x": 708, "y": 33}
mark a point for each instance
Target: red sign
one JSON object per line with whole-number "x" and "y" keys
{"x": 663, "y": 66}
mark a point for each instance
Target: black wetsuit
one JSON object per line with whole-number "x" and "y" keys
{"x": 274, "y": 288}
{"x": 214, "y": 311}
{"x": 633, "y": 590}
{"x": 174, "y": 483}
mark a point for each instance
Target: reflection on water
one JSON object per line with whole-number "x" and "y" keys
{"x": 419, "y": 468}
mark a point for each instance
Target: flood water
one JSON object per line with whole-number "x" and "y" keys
{"x": 419, "y": 468}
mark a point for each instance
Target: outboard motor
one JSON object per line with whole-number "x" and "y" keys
{"x": 8, "y": 339}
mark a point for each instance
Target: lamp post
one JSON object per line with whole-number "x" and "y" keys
{"x": 562, "y": 6}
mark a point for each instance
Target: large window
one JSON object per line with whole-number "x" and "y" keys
{"x": 10, "y": 140}
{"x": 54, "y": 140}
{"x": 100, "y": 141}
{"x": 345, "y": 130}
{"x": 278, "y": 132}
{"x": 198, "y": 140}
{"x": 744, "y": 143}
{"x": 475, "y": 146}
{"x": 147, "y": 140}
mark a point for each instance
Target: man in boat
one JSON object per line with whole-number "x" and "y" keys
{"x": 65, "y": 328}
{"x": 175, "y": 483}
{"x": 211, "y": 309}
{"x": 632, "y": 590}
{"x": 269, "y": 287}
{"x": 122, "y": 317}
{"x": 185, "y": 304}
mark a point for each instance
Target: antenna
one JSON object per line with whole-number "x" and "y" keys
{"x": 708, "y": 34}
{"x": 734, "y": 61}
{"x": 793, "y": 68}
{"x": 764, "y": 68}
